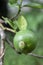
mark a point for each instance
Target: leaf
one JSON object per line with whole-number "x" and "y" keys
{"x": 22, "y": 23}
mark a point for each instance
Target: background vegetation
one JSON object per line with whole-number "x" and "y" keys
{"x": 34, "y": 17}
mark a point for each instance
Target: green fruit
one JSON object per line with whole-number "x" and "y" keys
{"x": 24, "y": 41}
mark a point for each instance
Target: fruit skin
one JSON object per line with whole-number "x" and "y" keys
{"x": 24, "y": 41}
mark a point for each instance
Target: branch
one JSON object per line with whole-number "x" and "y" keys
{"x": 14, "y": 18}
{"x": 32, "y": 5}
{"x": 2, "y": 39}
{"x": 35, "y": 55}
{"x": 4, "y": 28}
{"x": 8, "y": 29}
{"x": 2, "y": 55}
{"x": 10, "y": 43}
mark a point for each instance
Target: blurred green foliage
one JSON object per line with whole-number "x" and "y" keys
{"x": 35, "y": 23}
{"x": 12, "y": 1}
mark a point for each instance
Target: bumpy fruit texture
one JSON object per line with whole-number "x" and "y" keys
{"x": 24, "y": 41}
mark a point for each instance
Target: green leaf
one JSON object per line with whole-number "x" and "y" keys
{"x": 22, "y": 23}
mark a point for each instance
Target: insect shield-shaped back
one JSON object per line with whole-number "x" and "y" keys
{"x": 24, "y": 41}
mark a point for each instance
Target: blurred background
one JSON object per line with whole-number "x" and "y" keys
{"x": 34, "y": 17}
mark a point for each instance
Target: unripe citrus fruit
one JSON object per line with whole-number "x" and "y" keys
{"x": 24, "y": 41}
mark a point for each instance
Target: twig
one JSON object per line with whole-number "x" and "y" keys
{"x": 20, "y": 5}
{"x": 5, "y": 28}
{"x": 8, "y": 29}
{"x": 10, "y": 43}
{"x": 6, "y": 39}
{"x": 35, "y": 55}
{"x": 15, "y": 17}
{"x": 1, "y": 55}
{"x": 2, "y": 39}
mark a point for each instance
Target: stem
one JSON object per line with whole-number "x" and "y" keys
{"x": 8, "y": 29}
{"x": 34, "y": 5}
{"x": 2, "y": 39}
{"x": 10, "y": 43}
{"x": 35, "y": 55}
{"x": 14, "y": 18}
